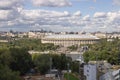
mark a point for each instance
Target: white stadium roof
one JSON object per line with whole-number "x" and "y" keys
{"x": 71, "y": 36}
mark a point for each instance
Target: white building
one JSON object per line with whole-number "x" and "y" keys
{"x": 70, "y": 39}
{"x": 36, "y": 35}
{"x": 100, "y": 35}
{"x": 90, "y": 71}
{"x": 76, "y": 56}
{"x": 5, "y": 41}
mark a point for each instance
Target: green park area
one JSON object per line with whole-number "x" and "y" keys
{"x": 70, "y": 76}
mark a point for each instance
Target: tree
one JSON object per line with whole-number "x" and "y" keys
{"x": 60, "y": 61}
{"x": 73, "y": 47}
{"x": 64, "y": 61}
{"x": 7, "y": 74}
{"x": 5, "y": 57}
{"x": 56, "y": 61}
{"x": 42, "y": 62}
{"x": 75, "y": 66}
{"x": 104, "y": 50}
{"x": 22, "y": 60}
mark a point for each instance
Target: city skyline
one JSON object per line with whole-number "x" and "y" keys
{"x": 60, "y": 15}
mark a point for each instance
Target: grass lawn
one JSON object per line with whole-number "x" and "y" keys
{"x": 71, "y": 76}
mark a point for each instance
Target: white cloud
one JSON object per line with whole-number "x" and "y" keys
{"x": 113, "y": 15}
{"x": 52, "y": 3}
{"x": 57, "y": 21}
{"x": 10, "y": 4}
{"x": 9, "y": 10}
{"x": 7, "y": 15}
{"x": 66, "y": 13}
{"x": 53, "y": 20}
{"x": 116, "y": 2}
{"x": 87, "y": 17}
{"x": 100, "y": 15}
{"x": 78, "y": 13}
{"x": 42, "y": 14}
{"x": 12, "y": 15}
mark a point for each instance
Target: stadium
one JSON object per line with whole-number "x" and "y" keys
{"x": 70, "y": 39}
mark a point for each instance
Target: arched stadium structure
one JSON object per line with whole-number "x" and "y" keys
{"x": 70, "y": 39}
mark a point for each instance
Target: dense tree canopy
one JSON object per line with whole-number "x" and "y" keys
{"x": 7, "y": 74}
{"x": 5, "y": 57}
{"x": 105, "y": 50}
{"x": 22, "y": 60}
{"x": 30, "y": 44}
{"x": 14, "y": 61}
{"x": 73, "y": 47}
{"x": 42, "y": 62}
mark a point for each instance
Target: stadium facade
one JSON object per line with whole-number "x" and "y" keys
{"x": 70, "y": 39}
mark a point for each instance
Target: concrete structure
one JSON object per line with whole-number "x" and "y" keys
{"x": 107, "y": 35}
{"x": 38, "y": 35}
{"x": 116, "y": 74}
{"x": 111, "y": 75}
{"x": 70, "y": 39}
{"x": 107, "y": 76}
{"x": 22, "y": 34}
{"x": 38, "y": 52}
{"x": 52, "y": 73}
{"x": 5, "y": 41}
{"x": 100, "y": 35}
{"x": 76, "y": 56}
{"x": 90, "y": 71}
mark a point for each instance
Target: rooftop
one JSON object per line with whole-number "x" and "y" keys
{"x": 71, "y": 36}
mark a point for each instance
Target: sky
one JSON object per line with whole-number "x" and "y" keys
{"x": 60, "y": 15}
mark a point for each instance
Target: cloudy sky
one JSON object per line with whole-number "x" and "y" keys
{"x": 60, "y": 15}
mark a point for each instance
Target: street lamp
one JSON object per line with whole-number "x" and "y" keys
{"x": 50, "y": 64}
{"x": 68, "y": 71}
{"x": 96, "y": 65}
{"x": 81, "y": 61}
{"x": 119, "y": 75}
